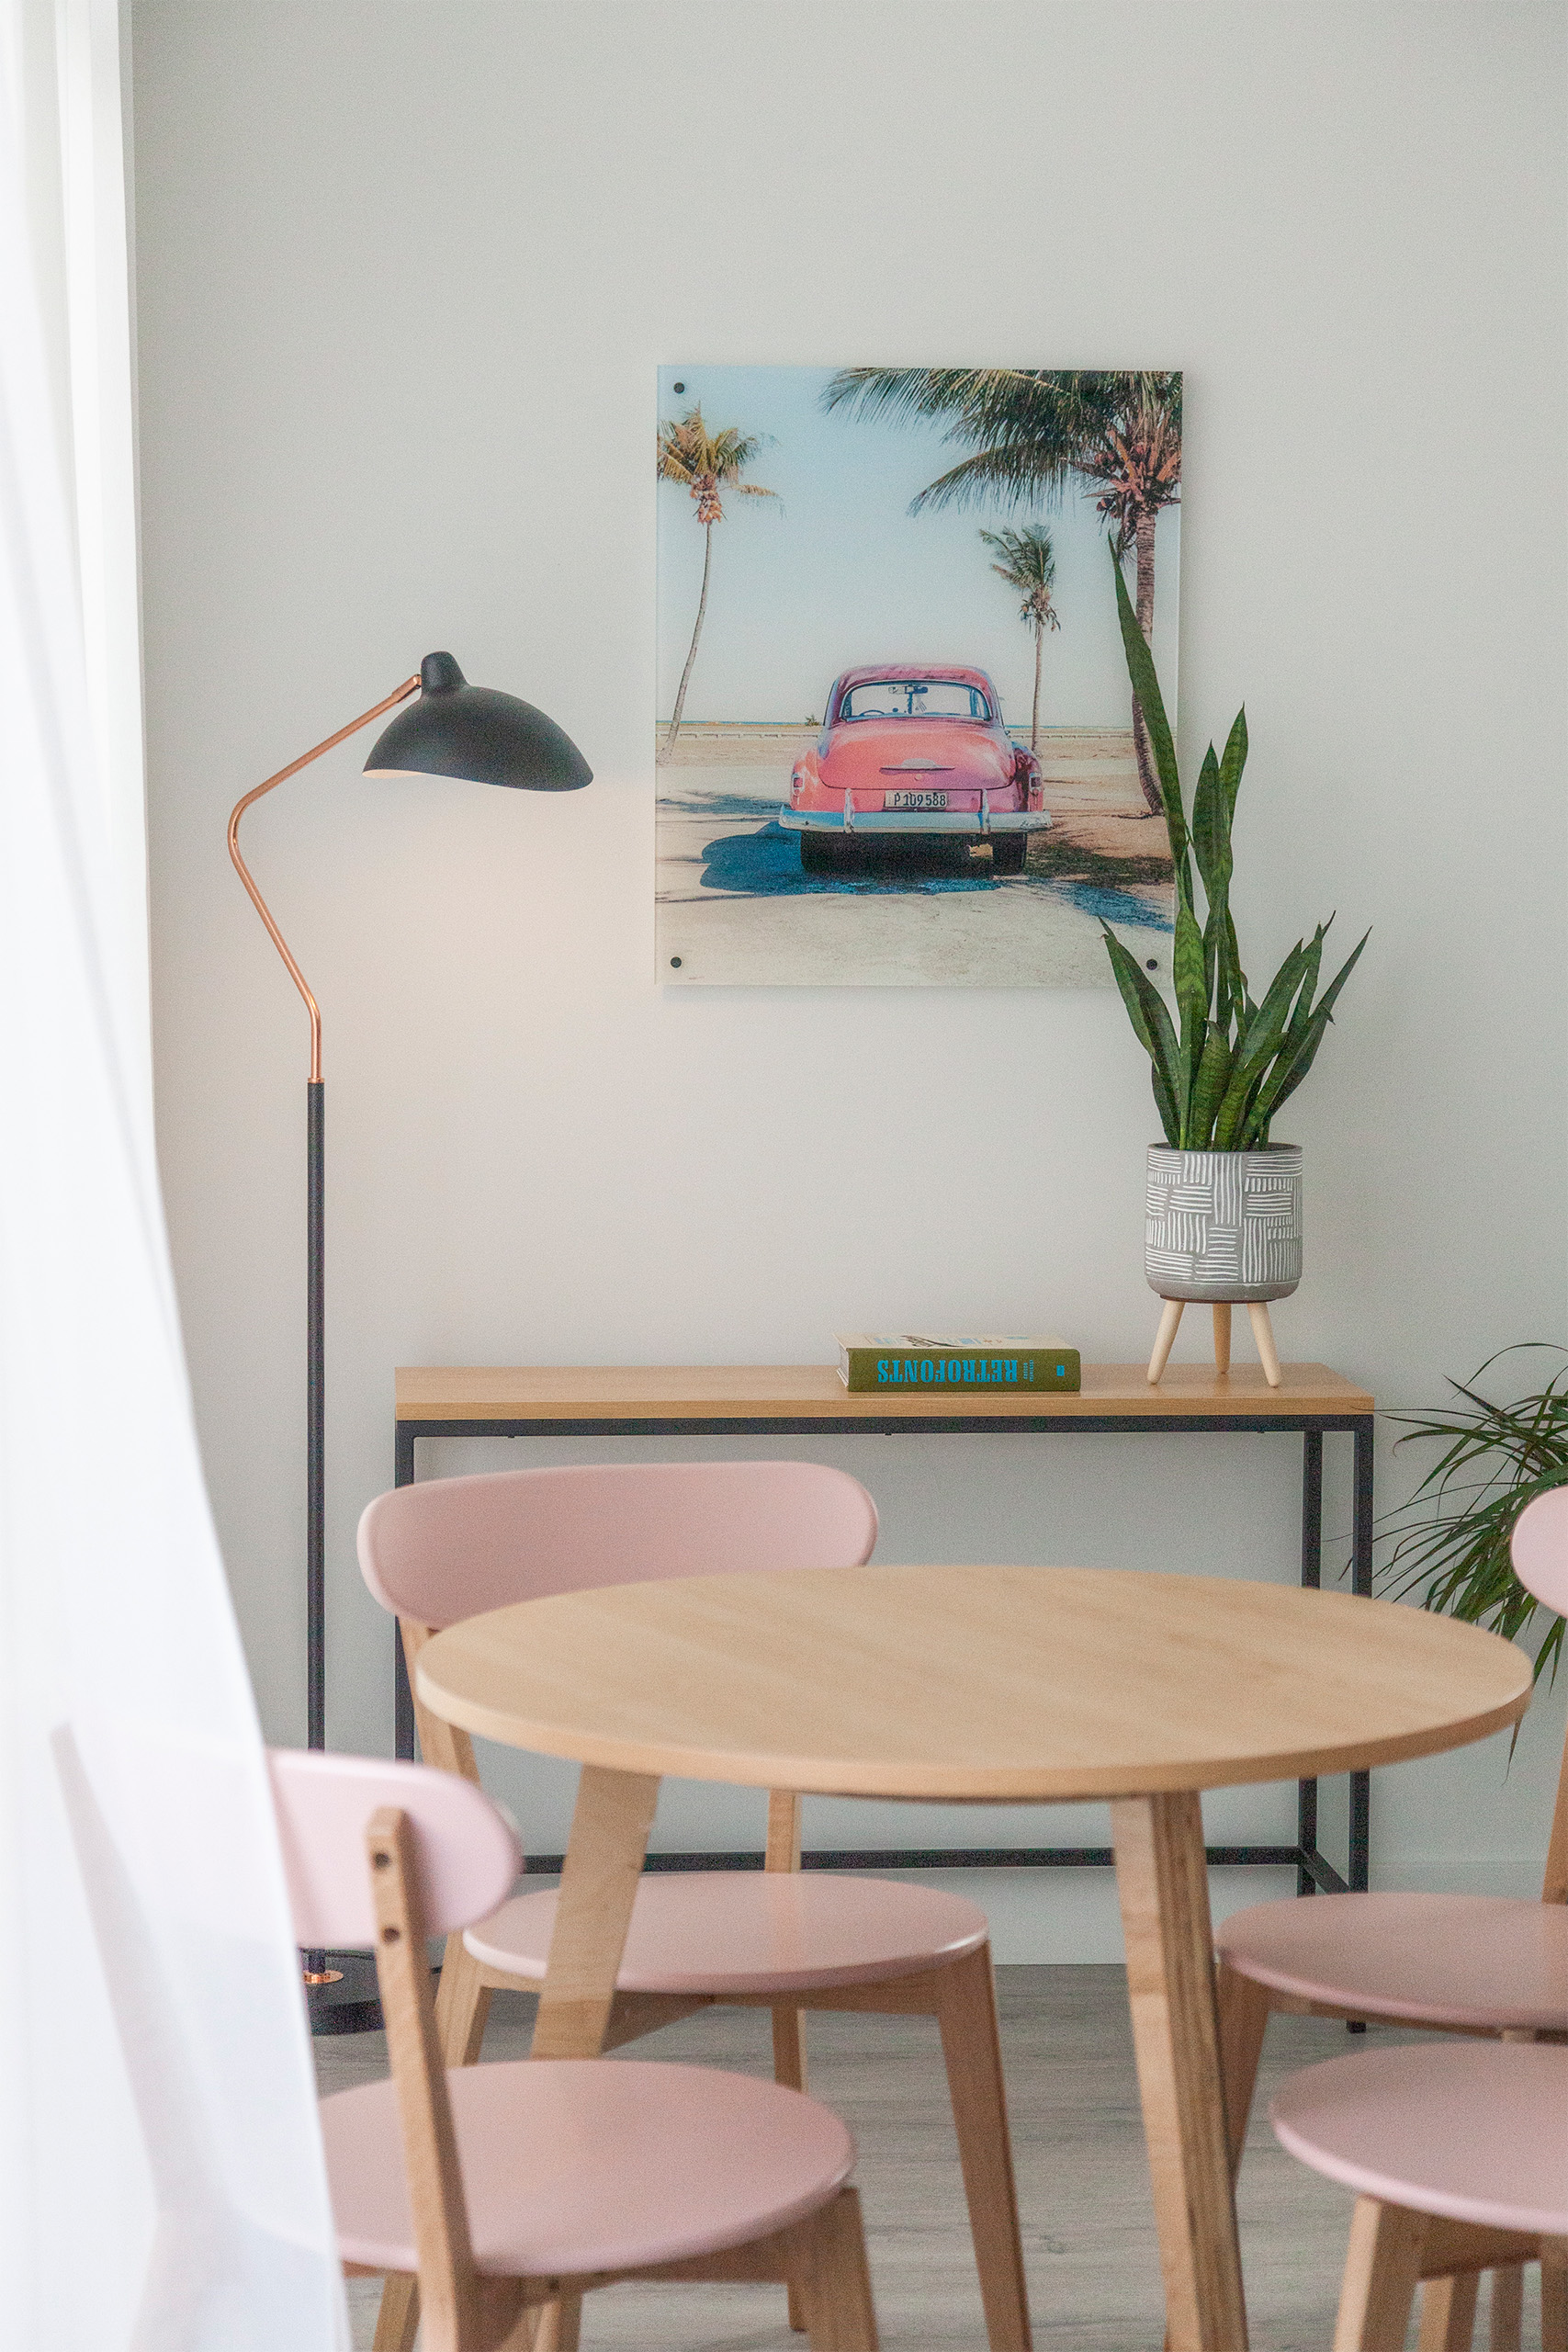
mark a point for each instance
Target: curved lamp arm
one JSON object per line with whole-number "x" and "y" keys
{"x": 400, "y": 694}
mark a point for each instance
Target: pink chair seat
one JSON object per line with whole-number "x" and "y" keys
{"x": 1476, "y": 1962}
{"x": 1476, "y": 2131}
{"x": 753, "y": 1932}
{"x": 575, "y": 2166}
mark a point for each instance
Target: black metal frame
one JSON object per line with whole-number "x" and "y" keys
{"x": 1314, "y": 1870}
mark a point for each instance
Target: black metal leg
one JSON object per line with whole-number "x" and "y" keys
{"x": 1312, "y": 1578}
{"x": 1361, "y": 1582}
{"x": 315, "y": 1417}
{"x": 403, "y": 1697}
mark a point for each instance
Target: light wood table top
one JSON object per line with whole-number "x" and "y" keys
{"x": 973, "y": 1683}
{"x": 798, "y": 1391}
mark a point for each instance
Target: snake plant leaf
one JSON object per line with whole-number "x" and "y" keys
{"x": 1145, "y": 685}
{"x": 1152, "y": 1028}
{"x": 1211, "y": 831}
{"x": 1292, "y": 1066}
{"x": 1216, "y": 966}
{"x": 1165, "y": 1104}
{"x": 1256, "y": 1046}
{"x": 1241, "y": 1003}
{"x": 1213, "y": 1069}
{"x": 1233, "y": 763}
{"x": 1186, "y": 963}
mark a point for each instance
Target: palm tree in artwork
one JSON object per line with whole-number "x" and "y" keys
{"x": 1027, "y": 563}
{"x": 704, "y": 463}
{"x": 1031, "y": 432}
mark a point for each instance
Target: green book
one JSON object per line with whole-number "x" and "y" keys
{"x": 903, "y": 1360}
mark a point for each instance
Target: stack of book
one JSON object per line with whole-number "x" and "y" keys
{"x": 909, "y": 1359}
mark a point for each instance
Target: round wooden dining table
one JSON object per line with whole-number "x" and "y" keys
{"x": 985, "y": 1685}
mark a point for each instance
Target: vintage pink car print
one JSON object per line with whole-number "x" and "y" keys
{"x": 907, "y": 750}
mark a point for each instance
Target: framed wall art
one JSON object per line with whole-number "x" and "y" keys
{"x": 895, "y": 741}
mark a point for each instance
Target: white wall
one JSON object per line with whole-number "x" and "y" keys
{"x": 405, "y": 272}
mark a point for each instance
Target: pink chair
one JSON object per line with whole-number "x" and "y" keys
{"x": 507, "y": 2187}
{"x": 1454, "y": 1963}
{"x": 778, "y": 1938}
{"x": 1459, "y": 2158}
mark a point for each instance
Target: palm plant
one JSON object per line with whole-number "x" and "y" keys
{"x": 1455, "y": 1530}
{"x": 1219, "y": 1080}
{"x": 704, "y": 463}
{"x": 1033, "y": 432}
{"x": 1028, "y": 565}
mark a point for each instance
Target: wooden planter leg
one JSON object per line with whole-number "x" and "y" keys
{"x": 1169, "y": 1324}
{"x": 1222, "y": 1340}
{"x": 1263, "y": 1332}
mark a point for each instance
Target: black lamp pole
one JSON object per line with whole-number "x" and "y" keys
{"x": 452, "y": 730}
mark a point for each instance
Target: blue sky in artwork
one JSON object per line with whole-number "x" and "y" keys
{"x": 837, "y": 571}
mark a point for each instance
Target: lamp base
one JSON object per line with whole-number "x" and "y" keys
{"x": 349, "y": 2001}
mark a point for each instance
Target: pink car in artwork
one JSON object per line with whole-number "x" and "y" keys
{"x": 908, "y": 750}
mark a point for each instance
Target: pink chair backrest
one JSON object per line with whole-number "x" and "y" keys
{"x": 454, "y": 1547}
{"x": 1539, "y": 1548}
{"x": 465, "y": 1851}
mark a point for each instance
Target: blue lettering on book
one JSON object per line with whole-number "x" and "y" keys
{"x": 972, "y": 1372}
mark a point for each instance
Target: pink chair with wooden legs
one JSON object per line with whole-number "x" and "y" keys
{"x": 1452, "y": 1963}
{"x": 778, "y": 1938}
{"x": 1459, "y": 2158}
{"x": 506, "y": 2187}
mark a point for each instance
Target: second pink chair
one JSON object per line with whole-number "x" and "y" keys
{"x": 1454, "y": 1963}
{"x": 777, "y": 1939}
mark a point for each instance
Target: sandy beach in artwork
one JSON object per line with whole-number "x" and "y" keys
{"x": 735, "y": 908}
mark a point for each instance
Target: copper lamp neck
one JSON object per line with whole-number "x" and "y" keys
{"x": 400, "y": 694}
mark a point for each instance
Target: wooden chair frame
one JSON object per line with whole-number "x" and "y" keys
{"x": 1449, "y": 2294}
{"x": 1394, "y": 2249}
{"x": 821, "y": 2259}
{"x": 961, "y": 1995}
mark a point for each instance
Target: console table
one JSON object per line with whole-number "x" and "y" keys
{"x": 810, "y": 1400}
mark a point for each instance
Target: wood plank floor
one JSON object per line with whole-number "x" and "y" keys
{"x": 1083, "y": 2182}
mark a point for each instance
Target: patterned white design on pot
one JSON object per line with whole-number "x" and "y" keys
{"x": 1224, "y": 1226}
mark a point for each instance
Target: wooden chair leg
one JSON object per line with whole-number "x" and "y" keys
{"x": 1448, "y": 2313}
{"x": 1554, "y": 2296}
{"x": 835, "y": 2280}
{"x": 1169, "y": 1324}
{"x": 972, "y": 2048}
{"x": 558, "y": 2324}
{"x": 1263, "y": 1334}
{"x": 397, "y": 2323}
{"x": 1243, "y": 2008}
{"x": 1505, "y": 2323}
{"x": 789, "y": 2068}
{"x": 1222, "y": 1340}
{"x": 462, "y": 2005}
{"x": 1381, "y": 2270}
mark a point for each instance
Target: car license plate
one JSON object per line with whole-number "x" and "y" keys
{"x": 915, "y": 801}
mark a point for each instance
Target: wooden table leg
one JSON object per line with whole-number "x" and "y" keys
{"x": 1162, "y": 1879}
{"x": 598, "y": 1887}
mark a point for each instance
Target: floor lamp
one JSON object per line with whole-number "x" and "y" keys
{"x": 452, "y": 730}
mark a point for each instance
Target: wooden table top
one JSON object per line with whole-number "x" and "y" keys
{"x": 798, "y": 1391}
{"x": 1017, "y": 1684}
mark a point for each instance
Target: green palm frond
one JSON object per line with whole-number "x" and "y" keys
{"x": 1451, "y": 1537}
{"x": 1027, "y": 561}
{"x": 704, "y": 462}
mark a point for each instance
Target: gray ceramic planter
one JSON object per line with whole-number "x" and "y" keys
{"x": 1224, "y": 1226}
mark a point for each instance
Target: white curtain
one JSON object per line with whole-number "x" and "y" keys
{"x": 161, "y": 2178}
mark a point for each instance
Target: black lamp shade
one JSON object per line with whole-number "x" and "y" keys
{"x": 474, "y": 732}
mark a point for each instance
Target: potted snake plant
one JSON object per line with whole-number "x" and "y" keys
{"x": 1224, "y": 1200}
